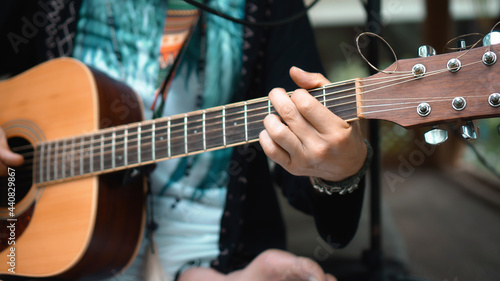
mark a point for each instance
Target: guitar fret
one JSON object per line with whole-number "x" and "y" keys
{"x": 269, "y": 107}
{"x": 48, "y": 161}
{"x": 113, "y": 149}
{"x": 81, "y": 154}
{"x": 125, "y": 147}
{"x": 185, "y": 134}
{"x": 102, "y": 152}
{"x": 72, "y": 157}
{"x": 39, "y": 153}
{"x": 168, "y": 138}
{"x": 91, "y": 154}
{"x": 246, "y": 122}
{"x": 204, "y": 132}
{"x": 139, "y": 143}
{"x": 146, "y": 142}
{"x": 160, "y": 139}
{"x": 235, "y": 124}
{"x": 213, "y": 129}
{"x": 60, "y": 160}
{"x": 224, "y": 124}
{"x": 63, "y": 158}
{"x": 56, "y": 147}
{"x": 86, "y": 154}
{"x": 153, "y": 141}
{"x": 324, "y": 96}
{"x": 257, "y": 111}
{"x": 341, "y": 105}
{"x": 67, "y": 159}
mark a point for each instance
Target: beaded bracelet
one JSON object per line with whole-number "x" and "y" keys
{"x": 347, "y": 185}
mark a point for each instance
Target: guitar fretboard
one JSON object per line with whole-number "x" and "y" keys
{"x": 150, "y": 141}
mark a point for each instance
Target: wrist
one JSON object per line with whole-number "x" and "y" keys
{"x": 347, "y": 185}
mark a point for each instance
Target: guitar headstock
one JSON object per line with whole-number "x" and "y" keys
{"x": 437, "y": 89}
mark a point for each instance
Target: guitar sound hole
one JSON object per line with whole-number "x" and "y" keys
{"x": 23, "y": 177}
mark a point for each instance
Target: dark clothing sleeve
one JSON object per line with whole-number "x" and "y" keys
{"x": 336, "y": 216}
{"x": 34, "y": 31}
{"x": 253, "y": 222}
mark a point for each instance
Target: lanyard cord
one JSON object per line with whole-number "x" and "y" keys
{"x": 206, "y": 8}
{"x": 167, "y": 82}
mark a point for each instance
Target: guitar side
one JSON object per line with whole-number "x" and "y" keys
{"x": 89, "y": 227}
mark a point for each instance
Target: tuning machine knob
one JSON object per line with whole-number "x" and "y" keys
{"x": 470, "y": 131}
{"x": 426, "y": 51}
{"x": 436, "y": 136}
{"x": 493, "y": 37}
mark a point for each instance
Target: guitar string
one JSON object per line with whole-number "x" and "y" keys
{"x": 392, "y": 72}
{"x": 364, "y": 106}
{"x": 316, "y": 97}
{"x": 182, "y": 125}
{"x": 54, "y": 178}
{"x": 79, "y": 159}
{"x": 228, "y": 116}
{"x": 332, "y": 85}
{"x": 147, "y": 141}
{"x": 83, "y": 167}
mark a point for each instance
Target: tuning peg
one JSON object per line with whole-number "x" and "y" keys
{"x": 436, "y": 136}
{"x": 494, "y": 37}
{"x": 470, "y": 131}
{"x": 426, "y": 51}
{"x": 462, "y": 45}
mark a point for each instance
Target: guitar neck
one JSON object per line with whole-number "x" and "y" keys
{"x": 147, "y": 142}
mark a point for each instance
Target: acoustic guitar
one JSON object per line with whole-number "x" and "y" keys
{"x": 68, "y": 214}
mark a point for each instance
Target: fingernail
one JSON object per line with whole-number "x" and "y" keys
{"x": 312, "y": 278}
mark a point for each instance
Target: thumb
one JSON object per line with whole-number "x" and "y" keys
{"x": 10, "y": 158}
{"x": 307, "y": 80}
{"x": 330, "y": 277}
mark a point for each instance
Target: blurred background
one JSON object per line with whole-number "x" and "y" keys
{"x": 440, "y": 204}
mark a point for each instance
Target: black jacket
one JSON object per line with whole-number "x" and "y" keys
{"x": 252, "y": 220}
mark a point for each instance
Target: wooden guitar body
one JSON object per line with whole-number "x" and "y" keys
{"x": 90, "y": 226}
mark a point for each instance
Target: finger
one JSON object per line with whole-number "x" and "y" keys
{"x": 290, "y": 114}
{"x": 3, "y": 170}
{"x": 273, "y": 150}
{"x": 320, "y": 117}
{"x": 201, "y": 273}
{"x": 9, "y": 158}
{"x": 330, "y": 277}
{"x": 309, "y": 270}
{"x": 280, "y": 265}
{"x": 307, "y": 80}
{"x": 283, "y": 135}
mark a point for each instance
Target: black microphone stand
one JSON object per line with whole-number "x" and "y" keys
{"x": 373, "y": 258}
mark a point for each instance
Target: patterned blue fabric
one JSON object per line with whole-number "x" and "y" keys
{"x": 138, "y": 26}
{"x": 189, "y": 205}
